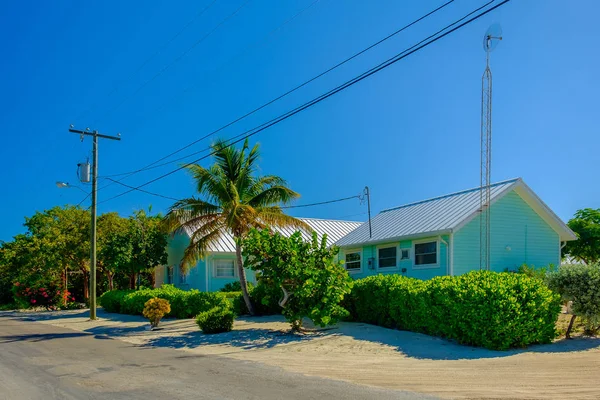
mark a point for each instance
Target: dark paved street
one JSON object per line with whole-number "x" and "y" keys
{"x": 39, "y": 361}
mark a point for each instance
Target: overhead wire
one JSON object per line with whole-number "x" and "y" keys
{"x": 339, "y": 64}
{"x": 405, "y": 53}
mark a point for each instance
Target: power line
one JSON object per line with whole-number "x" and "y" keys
{"x": 159, "y": 73}
{"x": 157, "y": 52}
{"x": 142, "y": 190}
{"x": 411, "y": 50}
{"x": 153, "y": 164}
{"x": 323, "y": 202}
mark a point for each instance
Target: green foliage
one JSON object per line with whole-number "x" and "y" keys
{"x": 184, "y": 303}
{"x": 216, "y": 320}
{"x": 155, "y": 309}
{"x": 233, "y": 200}
{"x": 111, "y": 301}
{"x": 580, "y": 284}
{"x": 536, "y": 273}
{"x": 487, "y": 309}
{"x": 264, "y": 297}
{"x": 586, "y": 224}
{"x": 135, "y": 246}
{"x": 235, "y": 287}
{"x": 312, "y": 284}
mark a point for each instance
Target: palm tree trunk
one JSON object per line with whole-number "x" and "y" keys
{"x": 243, "y": 281}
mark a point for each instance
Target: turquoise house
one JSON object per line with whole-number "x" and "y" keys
{"x": 218, "y": 267}
{"x": 440, "y": 236}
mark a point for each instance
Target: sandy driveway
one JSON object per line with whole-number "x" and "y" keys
{"x": 375, "y": 356}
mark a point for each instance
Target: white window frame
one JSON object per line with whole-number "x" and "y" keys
{"x": 409, "y": 253}
{"x": 437, "y": 254}
{"x": 214, "y": 268}
{"x": 349, "y": 251}
{"x": 387, "y": 246}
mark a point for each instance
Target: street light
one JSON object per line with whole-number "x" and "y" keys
{"x": 63, "y": 185}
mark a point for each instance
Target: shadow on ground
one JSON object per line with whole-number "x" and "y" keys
{"x": 422, "y": 346}
{"x": 180, "y": 334}
{"x": 246, "y": 339}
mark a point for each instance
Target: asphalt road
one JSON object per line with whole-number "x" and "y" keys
{"x": 39, "y": 361}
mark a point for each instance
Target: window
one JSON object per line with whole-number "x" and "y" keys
{"x": 387, "y": 257}
{"x": 224, "y": 269}
{"x": 353, "y": 261}
{"x": 426, "y": 253}
{"x": 404, "y": 254}
{"x": 170, "y": 274}
{"x": 183, "y": 277}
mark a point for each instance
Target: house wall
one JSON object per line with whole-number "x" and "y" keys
{"x": 370, "y": 252}
{"x": 202, "y": 276}
{"x": 518, "y": 235}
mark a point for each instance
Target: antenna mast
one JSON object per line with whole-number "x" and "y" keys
{"x": 490, "y": 41}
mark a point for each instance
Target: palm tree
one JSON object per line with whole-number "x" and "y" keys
{"x": 232, "y": 201}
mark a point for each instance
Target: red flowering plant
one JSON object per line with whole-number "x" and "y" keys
{"x": 36, "y": 293}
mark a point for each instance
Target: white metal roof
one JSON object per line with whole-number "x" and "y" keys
{"x": 444, "y": 214}
{"x": 334, "y": 229}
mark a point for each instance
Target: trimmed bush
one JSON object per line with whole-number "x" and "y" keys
{"x": 487, "y": 309}
{"x": 184, "y": 303}
{"x": 155, "y": 309}
{"x": 216, "y": 320}
{"x": 111, "y": 300}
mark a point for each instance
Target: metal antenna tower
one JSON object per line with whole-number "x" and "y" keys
{"x": 490, "y": 41}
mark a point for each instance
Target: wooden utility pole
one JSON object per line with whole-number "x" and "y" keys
{"x": 95, "y": 135}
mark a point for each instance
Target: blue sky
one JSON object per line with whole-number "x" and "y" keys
{"x": 409, "y": 132}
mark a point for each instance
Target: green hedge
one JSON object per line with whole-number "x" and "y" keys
{"x": 487, "y": 309}
{"x": 216, "y": 320}
{"x": 111, "y": 300}
{"x": 184, "y": 303}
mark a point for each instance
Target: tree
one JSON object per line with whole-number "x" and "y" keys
{"x": 139, "y": 247}
{"x": 586, "y": 224}
{"x": 62, "y": 237}
{"x": 580, "y": 284}
{"x": 233, "y": 200}
{"x": 313, "y": 284}
{"x": 114, "y": 246}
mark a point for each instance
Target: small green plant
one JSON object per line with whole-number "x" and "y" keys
{"x": 216, "y": 320}
{"x": 155, "y": 309}
{"x": 579, "y": 284}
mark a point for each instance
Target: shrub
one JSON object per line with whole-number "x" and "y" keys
{"x": 155, "y": 309}
{"x": 183, "y": 303}
{"x": 537, "y": 273}
{"x": 312, "y": 284}
{"x": 111, "y": 301}
{"x": 235, "y": 286}
{"x": 581, "y": 285}
{"x": 493, "y": 310}
{"x": 216, "y": 320}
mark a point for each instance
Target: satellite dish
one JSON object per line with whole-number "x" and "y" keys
{"x": 491, "y": 38}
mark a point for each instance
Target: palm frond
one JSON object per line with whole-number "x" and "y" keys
{"x": 272, "y": 196}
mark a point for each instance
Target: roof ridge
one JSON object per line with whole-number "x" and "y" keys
{"x": 328, "y": 219}
{"x": 449, "y": 195}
